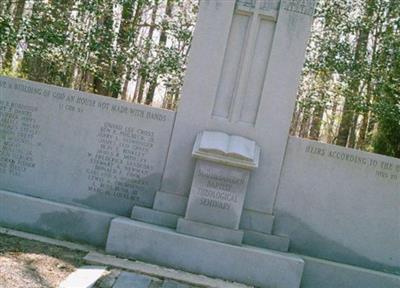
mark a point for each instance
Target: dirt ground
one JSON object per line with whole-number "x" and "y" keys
{"x": 32, "y": 264}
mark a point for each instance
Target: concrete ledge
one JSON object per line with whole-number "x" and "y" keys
{"x": 154, "y": 217}
{"x": 210, "y": 232}
{"x": 53, "y": 219}
{"x": 320, "y": 273}
{"x": 253, "y": 266}
{"x": 274, "y": 242}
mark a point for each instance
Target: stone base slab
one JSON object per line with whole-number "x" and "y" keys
{"x": 320, "y": 273}
{"x": 56, "y": 220}
{"x": 210, "y": 232}
{"x": 268, "y": 241}
{"x": 152, "y": 216}
{"x": 163, "y": 246}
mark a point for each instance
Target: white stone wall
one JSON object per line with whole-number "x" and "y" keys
{"x": 340, "y": 204}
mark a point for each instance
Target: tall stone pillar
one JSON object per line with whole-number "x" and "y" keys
{"x": 242, "y": 78}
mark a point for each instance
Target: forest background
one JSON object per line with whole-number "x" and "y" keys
{"x": 136, "y": 50}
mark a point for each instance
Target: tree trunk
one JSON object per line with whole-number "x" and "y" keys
{"x": 348, "y": 114}
{"x": 305, "y": 125}
{"x": 353, "y": 132}
{"x": 331, "y": 126}
{"x": 295, "y": 121}
{"x": 16, "y": 9}
{"x": 319, "y": 109}
{"x": 144, "y": 76}
{"x": 161, "y": 44}
{"x": 104, "y": 58}
{"x": 363, "y": 135}
{"x": 127, "y": 35}
{"x": 316, "y": 122}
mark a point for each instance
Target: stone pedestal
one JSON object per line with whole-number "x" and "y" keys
{"x": 219, "y": 186}
{"x": 217, "y": 194}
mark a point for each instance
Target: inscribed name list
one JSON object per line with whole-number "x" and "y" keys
{"x": 79, "y": 148}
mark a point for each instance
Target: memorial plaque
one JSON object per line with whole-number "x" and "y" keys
{"x": 78, "y": 148}
{"x": 217, "y": 194}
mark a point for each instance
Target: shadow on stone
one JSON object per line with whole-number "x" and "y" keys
{"x": 306, "y": 241}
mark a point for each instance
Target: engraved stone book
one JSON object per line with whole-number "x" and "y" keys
{"x": 229, "y": 149}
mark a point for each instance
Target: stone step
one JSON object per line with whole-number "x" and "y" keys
{"x": 163, "y": 246}
{"x": 210, "y": 232}
{"x": 154, "y": 217}
{"x": 268, "y": 241}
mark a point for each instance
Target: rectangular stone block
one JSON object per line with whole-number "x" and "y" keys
{"x": 268, "y": 241}
{"x": 217, "y": 194}
{"x": 154, "y": 217}
{"x": 171, "y": 203}
{"x": 53, "y": 219}
{"x": 79, "y": 148}
{"x": 210, "y": 232}
{"x": 163, "y": 246}
{"x": 256, "y": 221}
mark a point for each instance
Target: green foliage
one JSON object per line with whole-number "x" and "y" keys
{"x": 99, "y": 45}
{"x": 350, "y": 85}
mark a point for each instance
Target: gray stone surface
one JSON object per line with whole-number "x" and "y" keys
{"x": 340, "y": 204}
{"x": 163, "y": 246}
{"x": 217, "y": 194}
{"x": 83, "y": 277}
{"x": 132, "y": 280}
{"x": 242, "y": 77}
{"x": 171, "y": 203}
{"x": 54, "y": 219}
{"x": 256, "y": 221}
{"x": 268, "y": 241}
{"x": 79, "y": 148}
{"x": 210, "y": 232}
{"x": 154, "y": 217}
{"x": 319, "y": 273}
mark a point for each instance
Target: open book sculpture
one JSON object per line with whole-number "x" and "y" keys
{"x": 231, "y": 150}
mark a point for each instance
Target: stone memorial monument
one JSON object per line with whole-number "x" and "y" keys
{"x": 242, "y": 76}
